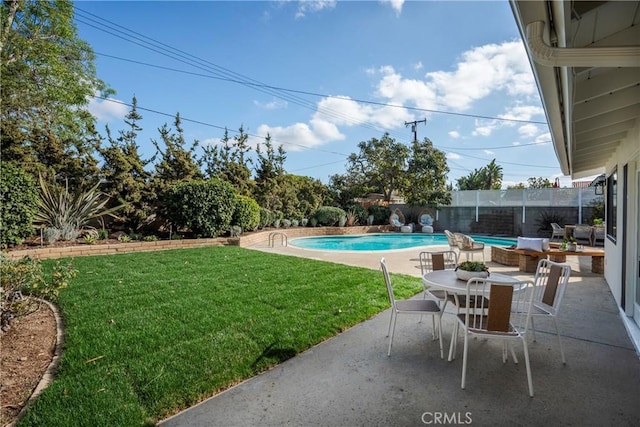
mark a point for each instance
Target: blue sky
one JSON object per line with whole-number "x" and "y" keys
{"x": 336, "y": 73}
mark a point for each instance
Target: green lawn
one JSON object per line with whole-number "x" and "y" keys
{"x": 149, "y": 334}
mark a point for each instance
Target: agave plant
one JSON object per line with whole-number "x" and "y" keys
{"x": 69, "y": 212}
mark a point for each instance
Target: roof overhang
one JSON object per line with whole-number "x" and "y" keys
{"x": 585, "y": 57}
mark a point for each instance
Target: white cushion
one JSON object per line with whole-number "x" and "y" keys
{"x": 545, "y": 245}
{"x": 426, "y": 219}
{"x": 533, "y": 244}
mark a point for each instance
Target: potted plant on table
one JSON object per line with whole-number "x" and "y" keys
{"x": 569, "y": 244}
{"x": 470, "y": 269}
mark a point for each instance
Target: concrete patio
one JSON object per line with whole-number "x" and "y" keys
{"x": 349, "y": 380}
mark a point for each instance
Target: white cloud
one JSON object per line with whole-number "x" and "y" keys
{"x": 454, "y": 134}
{"x": 523, "y": 112}
{"x": 312, "y": 6}
{"x": 395, "y": 4}
{"x": 481, "y": 71}
{"x": 544, "y": 138}
{"x": 418, "y": 66}
{"x": 488, "y": 152}
{"x": 300, "y": 135}
{"x": 107, "y": 110}
{"x": 453, "y": 156}
{"x": 485, "y": 128}
{"x": 529, "y": 130}
{"x": 276, "y": 104}
{"x": 398, "y": 90}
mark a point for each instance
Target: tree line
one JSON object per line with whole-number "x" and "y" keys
{"x": 46, "y": 130}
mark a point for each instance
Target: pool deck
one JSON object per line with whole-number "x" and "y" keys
{"x": 349, "y": 380}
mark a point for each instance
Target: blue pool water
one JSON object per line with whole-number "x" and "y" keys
{"x": 385, "y": 241}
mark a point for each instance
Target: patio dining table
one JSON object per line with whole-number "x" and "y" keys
{"x": 449, "y": 282}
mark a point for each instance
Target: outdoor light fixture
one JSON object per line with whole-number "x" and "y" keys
{"x": 599, "y": 188}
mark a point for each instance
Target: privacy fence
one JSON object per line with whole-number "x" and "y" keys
{"x": 522, "y": 212}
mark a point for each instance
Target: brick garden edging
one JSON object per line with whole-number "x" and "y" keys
{"x": 53, "y": 252}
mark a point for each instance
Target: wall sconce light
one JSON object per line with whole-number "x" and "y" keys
{"x": 599, "y": 187}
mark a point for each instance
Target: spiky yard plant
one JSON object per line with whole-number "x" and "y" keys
{"x": 70, "y": 212}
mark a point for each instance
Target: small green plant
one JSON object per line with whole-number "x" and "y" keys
{"x": 135, "y": 236}
{"x": 90, "y": 239}
{"x": 103, "y": 234}
{"x": 150, "y": 238}
{"x": 125, "y": 238}
{"x": 286, "y": 223}
{"x": 598, "y": 221}
{"x": 472, "y": 266}
{"x": 177, "y": 236}
{"x": 20, "y": 277}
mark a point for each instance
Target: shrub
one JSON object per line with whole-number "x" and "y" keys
{"x": 359, "y": 213}
{"x": 69, "y": 212}
{"x": 18, "y": 202}
{"x": 266, "y": 217}
{"x": 24, "y": 276}
{"x": 286, "y": 223}
{"x": 204, "y": 207}
{"x": 380, "y": 214}
{"x": 246, "y": 214}
{"x": 103, "y": 234}
{"x": 328, "y": 215}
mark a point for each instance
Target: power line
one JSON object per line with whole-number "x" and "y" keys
{"x": 217, "y": 72}
{"x": 186, "y": 119}
{"x": 322, "y": 95}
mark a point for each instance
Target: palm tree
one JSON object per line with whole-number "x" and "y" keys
{"x": 492, "y": 176}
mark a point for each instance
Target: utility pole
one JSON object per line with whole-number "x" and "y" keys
{"x": 414, "y": 127}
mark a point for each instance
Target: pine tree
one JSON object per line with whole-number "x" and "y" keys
{"x": 125, "y": 179}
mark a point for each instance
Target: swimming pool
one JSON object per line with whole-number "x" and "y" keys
{"x": 385, "y": 241}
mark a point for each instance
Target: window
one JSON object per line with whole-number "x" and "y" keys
{"x": 612, "y": 192}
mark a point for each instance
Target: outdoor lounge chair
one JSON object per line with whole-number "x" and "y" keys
{"x": 557, "y": 231}
{"x": 396, "y": 220}
{"x": 426, "y": 221}
{"x": 583, "y": 232}
{"x": 598, "y": 234}
{"x": 467, "y": 245}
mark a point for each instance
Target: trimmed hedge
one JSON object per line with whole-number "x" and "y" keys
{"x": 247, "y": 213}
{"x": 328, "y": 216}
{"x": 204, "y": 207}
{"x": 18, "y": 204}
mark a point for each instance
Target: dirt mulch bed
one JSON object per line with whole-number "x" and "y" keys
{"x": 27, "y": 350}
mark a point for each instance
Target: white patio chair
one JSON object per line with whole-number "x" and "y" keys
{"x": 451, "y": 240}
{"x": 433, "y": 261}
{"x": 557, "y": 231}
{"x": 551, "y": 282}
{"x": 467, "y": 245}
{"x": 410, "y": 306}
{"x": 495, "y": 319}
